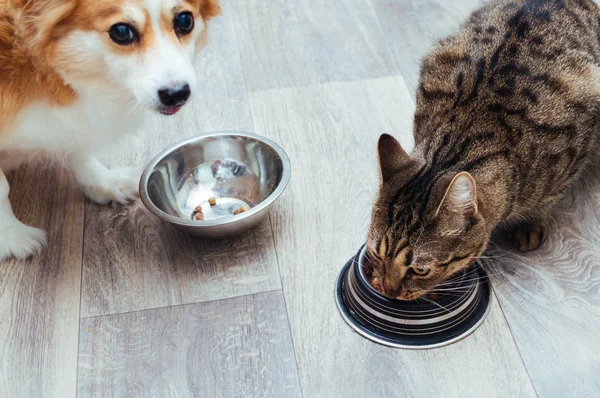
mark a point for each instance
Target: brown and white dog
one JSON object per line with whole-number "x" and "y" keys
{"x": 74, "y": 77}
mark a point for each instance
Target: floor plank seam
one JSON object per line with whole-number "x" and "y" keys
{"x": 237, "y": 41}
{"x": 312, "y": 85}
{"x": 180, "y": 305}
{"x": 514, "y": 341}
{"x": 387, "y": 42}
{"x": 80, "y": 294}
{"x": 286, "y": 308}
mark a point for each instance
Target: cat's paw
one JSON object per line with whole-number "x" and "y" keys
{"x": 529, "y": 235}
{"x": 119, "y": 185}
{"x": 20, "y": 241}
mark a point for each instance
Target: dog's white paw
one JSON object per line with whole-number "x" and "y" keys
{"x": 20, "y": 241}
{"x": 120, "y": 185}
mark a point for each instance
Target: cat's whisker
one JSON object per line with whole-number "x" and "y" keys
{"x": 451, "y": 290}
{"x": 469, "y": 286}
{"x": 461, "y": 276}
{"x": 419, "y": 238}
{"x": 425, "y": 244}
{"x": 368, "y": 257}
{"x": 433, "y": 302}
{"x": 491, "y": 257}
{"x": 451, "y": 294}
{"x": 463, "y": 281}
{"x": 441, "y": 253}
{"x": 453, "y": 286}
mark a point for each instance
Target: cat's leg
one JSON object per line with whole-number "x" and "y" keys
{"x": 16, "y": 239}
{"x": 101, "y": 184}
{"x": 531, "y": 234}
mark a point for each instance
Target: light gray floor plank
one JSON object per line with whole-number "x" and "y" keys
{"x": 411, "y": 28}
{"x": 131, "y": 260}
{"x": 39, "y": 298}
{"x": 551, "y": 298}
{"x": 287, "y": 43}
{"x": 330, "y": 131}
{"x": 230, "y": 348}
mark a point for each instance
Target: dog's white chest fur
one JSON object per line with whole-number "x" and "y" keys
{"x": 91, "y": 123}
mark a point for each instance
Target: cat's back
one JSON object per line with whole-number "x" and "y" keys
{"x": 507, "y": 48}
{"x": 517, "y": 87}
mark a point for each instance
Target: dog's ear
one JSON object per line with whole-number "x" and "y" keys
{"x": 209, "y": 8}
{"x": 38, "y": 20}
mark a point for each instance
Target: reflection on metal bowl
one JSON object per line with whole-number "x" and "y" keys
{"x": 238, "y": 169}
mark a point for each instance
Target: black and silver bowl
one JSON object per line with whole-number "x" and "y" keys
{"x": 412, "y": 324}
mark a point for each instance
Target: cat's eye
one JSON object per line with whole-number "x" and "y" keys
{"x": 184, "y": 23}
{"x": 123, "y": 34}
{"x": 421, "y": 271}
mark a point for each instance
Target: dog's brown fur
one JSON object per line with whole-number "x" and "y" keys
{"x": 23, "y": 80}
{"x": 512, "y": 100}
{"x": 28, "y": 32}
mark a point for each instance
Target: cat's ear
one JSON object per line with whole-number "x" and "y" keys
{"x": 391, "y": 156}
{"x": 460, "y": 198}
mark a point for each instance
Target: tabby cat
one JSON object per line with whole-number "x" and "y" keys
{"x": 506, "y": 119}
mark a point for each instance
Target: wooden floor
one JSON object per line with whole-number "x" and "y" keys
{"x": 123, "y": 306}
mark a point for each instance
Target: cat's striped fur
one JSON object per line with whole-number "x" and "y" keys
{"x": 512, "y": 103}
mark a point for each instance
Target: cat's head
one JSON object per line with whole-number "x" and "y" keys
{"x": 426, "y": 225}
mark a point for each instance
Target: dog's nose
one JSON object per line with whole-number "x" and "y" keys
{"x": 174, "y": 97}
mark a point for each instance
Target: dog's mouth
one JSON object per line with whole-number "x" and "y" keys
{"x": 170, "y": 111}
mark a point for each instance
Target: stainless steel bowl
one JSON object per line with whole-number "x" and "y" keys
{"x": 238, "y": 169}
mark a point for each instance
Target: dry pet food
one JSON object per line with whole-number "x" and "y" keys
{"x": 212, "y": 200}
{"x": 240, "y": 210}
{"x": 198, "y": 215}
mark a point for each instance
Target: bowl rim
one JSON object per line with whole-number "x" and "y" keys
{"x": 367, "y": 331}
{"x": 283, "y": 183}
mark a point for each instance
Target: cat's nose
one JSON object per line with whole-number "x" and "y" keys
{"x": 390, "y": 290}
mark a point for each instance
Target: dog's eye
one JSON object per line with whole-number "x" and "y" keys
{"x": 123, "y": 34}
{"x": 184, "y": 23}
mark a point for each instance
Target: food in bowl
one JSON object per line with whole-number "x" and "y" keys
{"x": 240, "y": 210}
{"x": 236, "y": 168}
{"x": 198, "y": 215}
